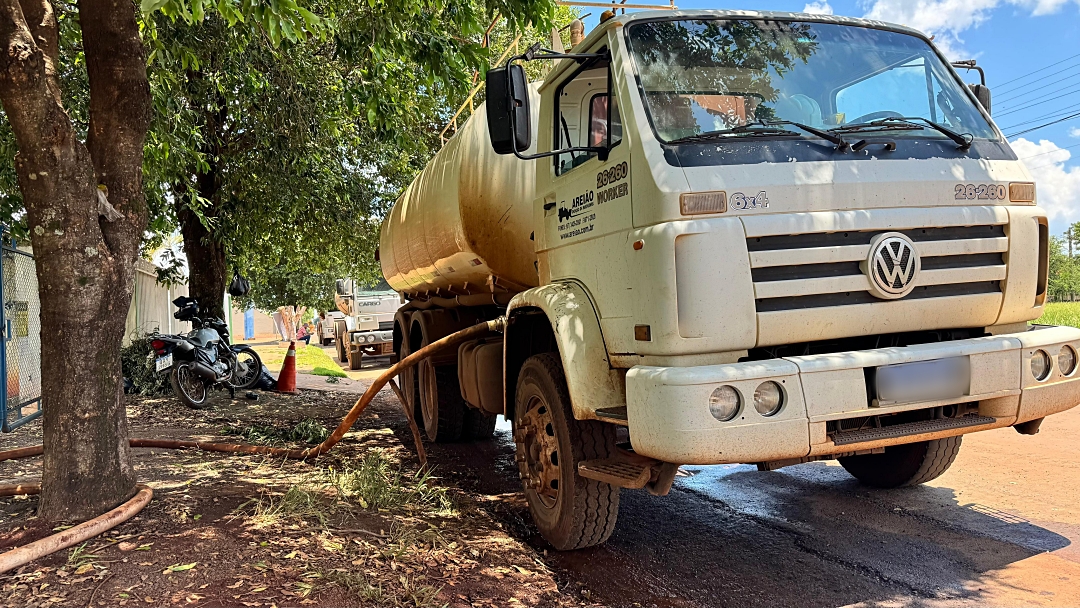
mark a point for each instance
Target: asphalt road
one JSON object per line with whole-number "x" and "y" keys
{"x": 1000, "y": 528}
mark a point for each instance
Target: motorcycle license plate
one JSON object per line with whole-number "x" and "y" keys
{"x": 163, "y": 362}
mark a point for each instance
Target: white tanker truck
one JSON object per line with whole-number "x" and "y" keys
{"x": 727, "y": 237}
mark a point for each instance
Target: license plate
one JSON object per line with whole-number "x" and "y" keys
{"x": 163, "y": 362}
{"x": 923, "y": 381}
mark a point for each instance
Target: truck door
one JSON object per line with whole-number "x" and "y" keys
{"x": 590, "y": 196}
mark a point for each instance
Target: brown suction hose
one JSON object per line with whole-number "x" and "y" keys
{"x": 74, "y": 535}
{"x": 102, "y": 523}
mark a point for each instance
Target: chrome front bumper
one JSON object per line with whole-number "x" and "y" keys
{"x": 668, "y": 407}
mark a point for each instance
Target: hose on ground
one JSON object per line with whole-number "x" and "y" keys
{"x": 76, "y": 534}
{"x": 102, "y": 523}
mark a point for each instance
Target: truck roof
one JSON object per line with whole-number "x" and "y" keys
{"x": 622, "y": 20}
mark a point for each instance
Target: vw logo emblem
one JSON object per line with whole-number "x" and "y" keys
{"x": 892, "y": 265}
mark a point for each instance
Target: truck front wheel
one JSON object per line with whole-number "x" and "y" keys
{"x": 572, "y": 512}
{"x": 904, "y": 465}
{"x": 341, "y": 334}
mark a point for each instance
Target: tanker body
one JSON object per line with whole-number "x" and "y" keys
{"x": 462, "y": 226}
{"x": 817, "y": 247}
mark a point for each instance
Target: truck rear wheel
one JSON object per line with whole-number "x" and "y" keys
{"x": 572, "y": 512}
{"x": 441, "y": 406}
{"x": 477, "y": 425}
{"x": 341, "y": 333}
{"x": 904, "y": 465}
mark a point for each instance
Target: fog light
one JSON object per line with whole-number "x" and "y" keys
{"x": 1067, "y": 360}
{"x": 768, "y": 397}
{"x": 1040, "y": 365}
{"x": 724, "y": 403}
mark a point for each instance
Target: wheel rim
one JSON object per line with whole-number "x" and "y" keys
{"x": 538, "y": 452}
{"x": 193, "y": 386}
{"x": 246, "y": 369}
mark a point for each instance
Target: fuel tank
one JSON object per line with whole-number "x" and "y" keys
{"x": 463, "y": 225}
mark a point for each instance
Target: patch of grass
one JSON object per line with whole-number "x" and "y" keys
{"x": 80, "y": 557}
{"x": 359, "y": 585}
{"x": 308, "y": 358}
{"x": 298, "y": 502}
{"x": 329, "y": 372}
{"x": 1061, "y": 313}
{"x": 307, "y": 431}
{"x": 378, "y": 484}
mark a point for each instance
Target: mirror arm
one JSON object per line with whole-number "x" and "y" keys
{"x": 593, "y": 150}
{"x": 969, "y": 64}
{"x": 537, "y": 52}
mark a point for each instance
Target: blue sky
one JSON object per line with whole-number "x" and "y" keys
{"x": 1012, "y": 40}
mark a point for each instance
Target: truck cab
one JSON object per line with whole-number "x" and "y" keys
{"x": 765, "y": 238}
{"x": 362, "y": 325}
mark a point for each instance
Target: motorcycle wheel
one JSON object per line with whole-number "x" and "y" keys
{"x": 188, "y": 386}
{"x": 248, "y": 369}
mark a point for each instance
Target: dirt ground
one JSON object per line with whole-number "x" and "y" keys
{"x": 226, "y": 530}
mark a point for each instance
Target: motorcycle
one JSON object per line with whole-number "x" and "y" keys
{"x": 203, "y": 359}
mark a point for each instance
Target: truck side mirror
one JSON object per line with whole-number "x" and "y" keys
{"x": 508, "y": 109}
{"x": 982, "y": 93}
{"x": 339, "y": 287}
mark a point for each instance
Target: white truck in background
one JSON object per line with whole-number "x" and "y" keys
{"x": 363, "y": 325}
{"x": 727, "y": 237}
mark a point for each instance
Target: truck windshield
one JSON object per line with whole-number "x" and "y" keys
{"x": 709, "y": 76}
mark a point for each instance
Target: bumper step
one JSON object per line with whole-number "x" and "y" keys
{"x": 910, "y": 428}
{"x": 625, "y": 470}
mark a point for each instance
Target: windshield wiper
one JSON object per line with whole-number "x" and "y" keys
{"x": 740, "y": 131}
{"x": 764, "y": 128}
{"x": 833, "y": 138}
{"x": 962, "y": 141}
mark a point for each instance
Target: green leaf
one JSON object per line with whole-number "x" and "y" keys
{"x": 179, "y": 568}
{"x": 149, "y": 6}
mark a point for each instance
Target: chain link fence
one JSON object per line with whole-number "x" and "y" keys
{"x": 20, "y": 346}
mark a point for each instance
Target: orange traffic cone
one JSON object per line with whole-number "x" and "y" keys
{"x": 286, "y": 382}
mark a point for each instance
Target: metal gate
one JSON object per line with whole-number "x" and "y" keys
{"x": 20, "y": 346}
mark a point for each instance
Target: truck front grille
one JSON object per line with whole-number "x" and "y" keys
{"x": 823, "y": 269}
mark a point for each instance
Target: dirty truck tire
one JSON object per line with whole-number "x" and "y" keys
{"x": 904, "y": 465}
{"x": 477, "y": 425}
{"x": 341, "y": 333}
{"x": 585, "y": 511}
{"x": 445, "y": 423}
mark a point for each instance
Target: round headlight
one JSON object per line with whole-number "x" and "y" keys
{"x": 371, "y": 338}
{"x": 1040, "y": 365}
{"x": 724, "y": 403}
{"x": 768, "y": 397}
{"x": 1067, "y": 360}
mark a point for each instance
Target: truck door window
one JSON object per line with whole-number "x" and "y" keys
{"x": 598, "y": 117}
{"x": 582, "y": 115}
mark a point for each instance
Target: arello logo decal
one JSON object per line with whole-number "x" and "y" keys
{"x": 892, "y": 265}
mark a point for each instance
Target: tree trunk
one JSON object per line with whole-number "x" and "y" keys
{"x": 207, "y": 268}
{"x": 84, "y": 264}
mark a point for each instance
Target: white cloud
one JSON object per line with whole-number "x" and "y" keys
{"x": 818, "y": 8}
{"x": 1074, "y": 132}
{"x": 1057, "y": 186}
{"x": 947, "y": 19}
